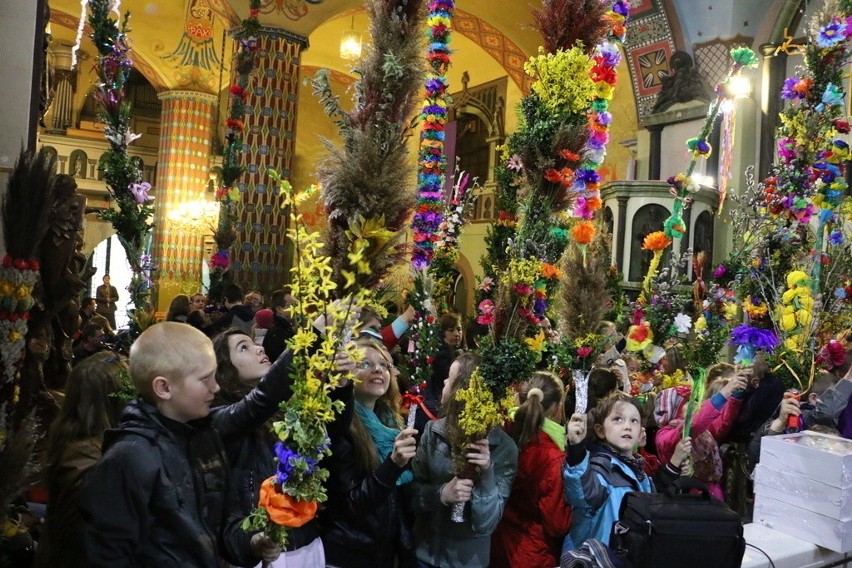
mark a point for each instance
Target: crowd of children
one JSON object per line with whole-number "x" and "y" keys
{"x": 165, "y": 472}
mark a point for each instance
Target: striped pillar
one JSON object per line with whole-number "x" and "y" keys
{"x": 261, "y": 257}
{"x": 182, "y": 173}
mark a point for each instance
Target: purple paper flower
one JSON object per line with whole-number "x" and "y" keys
{"x": 610, "y": 55}
{"x": 720, "y": 271}
{"x": 787, "y": 148}
{"x": 788, "y": 91}
{"x": 620, "y": 7}
{"x": 754, "y": 337}
{"x": 285, "y": 468}
{"x": 140, "y": 191}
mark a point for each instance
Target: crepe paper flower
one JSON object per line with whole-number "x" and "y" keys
{"x": 220, "y": 260}
{"x": 797, "y": 278}
{"x": 744, "y": 57}
{"x": 720, "y": 271}
{"x": 758, "y": 338}
{"x": 485, "y": 284}
{"x": 836, "y": 238}
{"x": 584, "y": 351}
{"x": 515, "y": 163}
{"x": 570, "y": 156}
{"x": 842, "y": 126}
{"x": 787, "y": 148}
{"x": 831, "y": 34}
{"x": 583, "y": 232}
{"x": 523, "y": 289}
{"x": 536, "y": 343}
{"x": 656, "y": 241}
{"x": 682, "y": 323}
{"x": 550, "y": 271}
{"x": 832, "y": 354}
{"x": 754, "y": 307}
{"x": 282, "y": 509}
{"x": 140, "y": 191}
{"x": 639, "y": 336}
{"x": 674, "y": 227}
{"x": 699, "y": 147}
{"x": 235, "y": 124}
{"x": 700, "y": 324}
{"x": 564, "y": 177}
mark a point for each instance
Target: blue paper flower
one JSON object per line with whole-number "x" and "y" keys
{"x": 831, "y": 34}
{"x": 835, "y": 238}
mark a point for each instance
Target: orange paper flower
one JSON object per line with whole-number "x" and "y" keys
{"x": 583, "y": 232}
{"x": 550, "y": 271}
{"x": 283, "y": 509}
{"x": 656, "y": 241}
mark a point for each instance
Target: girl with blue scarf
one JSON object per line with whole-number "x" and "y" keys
{"x": 366, "y": 523}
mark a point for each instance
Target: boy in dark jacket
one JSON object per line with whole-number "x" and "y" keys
{"x": 161, "y": 494}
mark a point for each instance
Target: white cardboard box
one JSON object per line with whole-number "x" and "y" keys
{"x": 805, "y": 525}
{"x": 809, "y": 495}
{"x": 819, "y": 457}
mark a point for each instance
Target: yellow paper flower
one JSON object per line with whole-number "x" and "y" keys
{"x": 700, "y": 324}
{"x": 536, "y": 343}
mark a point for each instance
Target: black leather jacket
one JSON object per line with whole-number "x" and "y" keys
{"x": 367, "y": 523}
{"x": 161, "y": 496}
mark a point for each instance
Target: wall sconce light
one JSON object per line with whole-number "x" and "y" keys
{"x": 350, "y": 43}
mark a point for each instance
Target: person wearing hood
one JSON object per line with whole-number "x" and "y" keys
{"x": 238, "y": 315}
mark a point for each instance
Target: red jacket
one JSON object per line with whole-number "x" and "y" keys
{"x": 537, "y": 517}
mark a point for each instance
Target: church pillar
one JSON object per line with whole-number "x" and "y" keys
{"x": 655, "y": 155}
{"x": 261, "y": 258}
{"x": 183, "y": 163}
{"x": 774, "y": 73}
{"x": 621, "y": 236}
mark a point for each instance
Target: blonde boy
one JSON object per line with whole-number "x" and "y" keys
{"x": 160, "y": 495}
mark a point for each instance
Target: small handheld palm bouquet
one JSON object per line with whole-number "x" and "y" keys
{"x": 479, "y": 414}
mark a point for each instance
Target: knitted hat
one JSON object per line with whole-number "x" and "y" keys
{"x": 670, "y": 403}
{"x": 263, "y": 318}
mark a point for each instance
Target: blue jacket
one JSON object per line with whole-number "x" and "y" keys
{"x": 594, "y": 488}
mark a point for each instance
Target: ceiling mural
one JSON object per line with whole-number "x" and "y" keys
{"x": 196, "y": 47}
{"x": 293, "y": 10}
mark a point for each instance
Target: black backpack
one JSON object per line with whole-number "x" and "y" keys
{"x": 673, "y": 530}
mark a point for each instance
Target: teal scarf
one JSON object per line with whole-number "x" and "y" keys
{"x": 383, "y": 437}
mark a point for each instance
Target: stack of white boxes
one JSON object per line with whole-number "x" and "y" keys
{"x": 803, "y": 487}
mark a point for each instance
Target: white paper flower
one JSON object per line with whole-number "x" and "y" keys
{"x": 683, "y": 323}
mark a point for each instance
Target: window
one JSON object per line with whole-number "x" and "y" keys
{"x": 702, "y": 240}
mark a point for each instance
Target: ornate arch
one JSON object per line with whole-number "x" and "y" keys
{"x": 139, "y": 62}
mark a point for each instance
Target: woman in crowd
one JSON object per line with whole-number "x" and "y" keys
{"x": 366, "y": 523}
{"x": 240, "y": 365}
{"x": 442, "y": 542}
{"x": 537, "y": 517}
{"x": 93, "y": 404}
{"x": 179, "y": 309}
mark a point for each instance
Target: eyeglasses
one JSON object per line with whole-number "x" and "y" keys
{"x": 365, "y": 365}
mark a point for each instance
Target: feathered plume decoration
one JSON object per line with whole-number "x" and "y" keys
{"x": 363, "y": 177}
{"x": 562, "y": 23}
{"x": 585, "y": 296}
{"x": 26, "y": 206}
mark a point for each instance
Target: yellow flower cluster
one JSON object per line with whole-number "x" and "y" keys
{"x": 674, "y": 380}
{"x": 563, "y": 81}
{"x": 795, "y": 314}
{"x": 481, "y": 412}
{"x": 524, "y": 271}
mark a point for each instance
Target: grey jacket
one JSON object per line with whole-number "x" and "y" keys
{"x": 438, "y": 540}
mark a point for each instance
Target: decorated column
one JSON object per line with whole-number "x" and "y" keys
{"x": 260, "y": 258}
{"x": 184, "y": 157}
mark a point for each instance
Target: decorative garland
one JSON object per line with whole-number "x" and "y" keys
{"x": 17, "y": 279}
{"x": 682, "y": 183}
{"x": 132, "y": 216}
{"x": 228, "y": 193}
{"x": 433, "y": 163}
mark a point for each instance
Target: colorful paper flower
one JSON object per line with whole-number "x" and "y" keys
{"x": 656, "y": 241}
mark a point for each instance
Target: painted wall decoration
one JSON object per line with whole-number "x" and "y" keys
{"x": 649, "y": 47}
{"x": 291, "y": 9}
{"x": 196, "y": 47}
